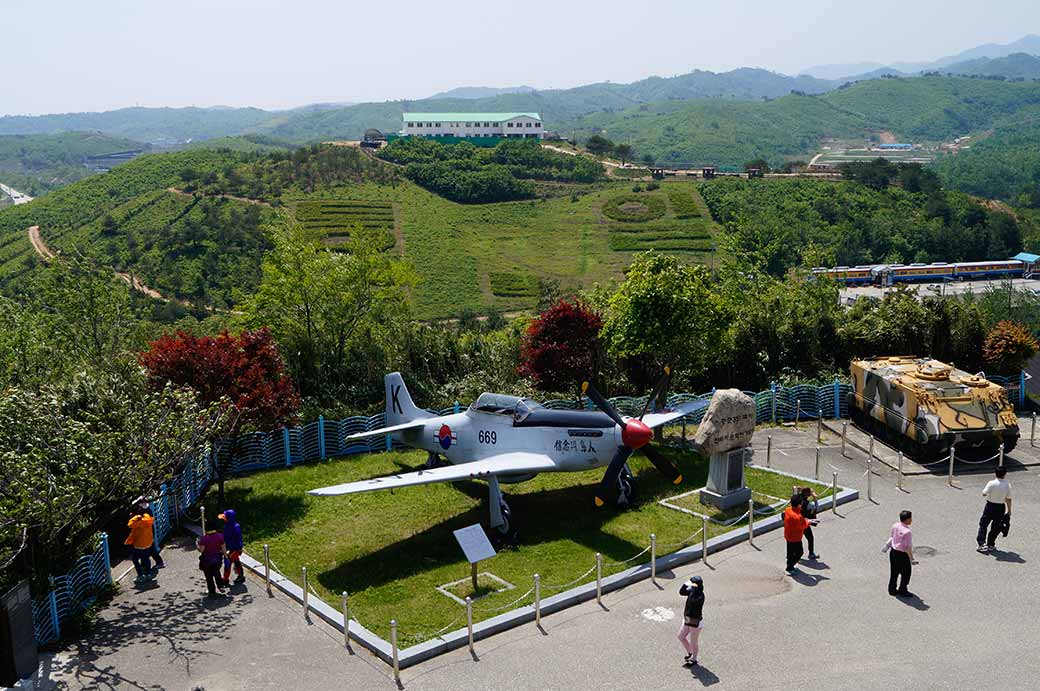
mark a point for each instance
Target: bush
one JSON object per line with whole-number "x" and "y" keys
{"x": 633, "y": 208}
{"x": 637, "y": 187}
{"x": 653, "y": 185}
{"x": 1008, "y": 347}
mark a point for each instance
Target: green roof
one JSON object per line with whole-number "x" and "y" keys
{"x": 467, "y": 117}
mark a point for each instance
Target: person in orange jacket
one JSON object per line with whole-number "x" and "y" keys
{"x": 140, "y": 542}
{"x": 794, "y": 528}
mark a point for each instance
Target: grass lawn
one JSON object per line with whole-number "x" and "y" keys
{"x": 390, "y": 550}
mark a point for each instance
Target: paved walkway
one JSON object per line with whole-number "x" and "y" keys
{"x": 832, "y": 626}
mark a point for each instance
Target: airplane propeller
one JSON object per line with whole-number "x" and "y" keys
{"x": 635, "y": 435}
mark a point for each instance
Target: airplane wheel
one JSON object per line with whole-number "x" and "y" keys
{"x": 433, "y": 460}
{"x": 627, "y": 488}
{"x": 506, "y": 534}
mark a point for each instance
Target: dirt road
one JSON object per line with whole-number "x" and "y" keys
{"x": 38, "y": 244}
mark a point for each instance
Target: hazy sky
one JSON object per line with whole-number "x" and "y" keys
{"x": 80, "y": 55}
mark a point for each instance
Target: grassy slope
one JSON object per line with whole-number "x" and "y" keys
{"x": 390, "y": 551}
{"x": 454, "y": 247}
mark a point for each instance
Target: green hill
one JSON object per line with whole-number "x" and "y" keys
{"x": 1014, "y": 66}
{"x": 35, "y": 164}
{"x": 1004, "y": 165}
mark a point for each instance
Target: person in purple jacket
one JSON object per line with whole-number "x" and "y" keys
{"x": 233, "y": 544}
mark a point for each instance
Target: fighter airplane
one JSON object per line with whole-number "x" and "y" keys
{"x": 509, "y": 439}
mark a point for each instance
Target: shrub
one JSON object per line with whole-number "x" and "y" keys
{"x": 633, "y": 208}
{"x": 1008, "y": 347}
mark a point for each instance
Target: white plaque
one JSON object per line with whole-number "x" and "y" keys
{"x": 474, "y": 543}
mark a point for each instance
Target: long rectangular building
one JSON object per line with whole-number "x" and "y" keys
{"x": 508, "y": 125}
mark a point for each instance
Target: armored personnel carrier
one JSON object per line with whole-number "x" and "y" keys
{"x": 925, "y": 407}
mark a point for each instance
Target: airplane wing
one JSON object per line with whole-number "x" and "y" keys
{"x": 387, "y": 430}
{"x": 683, "y": 409}
{"x": 503, "y": 464}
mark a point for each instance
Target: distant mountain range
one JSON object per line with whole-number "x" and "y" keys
{"x": 482, "y": 91}
{"x": 1029, "y": 44}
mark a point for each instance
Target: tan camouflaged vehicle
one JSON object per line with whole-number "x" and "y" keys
{"x": 924, "y": 407}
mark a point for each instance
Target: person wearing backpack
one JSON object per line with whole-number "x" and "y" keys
{"x": 810, "y": 508}
{"x": 693, "y": 624}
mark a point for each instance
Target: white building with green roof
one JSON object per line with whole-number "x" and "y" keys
{"x": 509, "y": 125}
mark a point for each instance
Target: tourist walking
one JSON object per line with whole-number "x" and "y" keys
{"x": 810, "y": 508}
{"x": 693, "y": 623}
{"x": 140, "y": 540}
{"x": 794, "y": 528}
{"x": 142, "y": 505}
{"x": 900, "y": 548}
{"x": 233, "y": 547}
{"x": 211, "y": 547}
{"x": 997, "y": 511}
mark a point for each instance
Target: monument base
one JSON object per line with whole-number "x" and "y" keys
{"x": 738, "y": 497}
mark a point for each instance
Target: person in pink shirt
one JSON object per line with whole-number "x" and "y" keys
{"x": 901, "y": 555}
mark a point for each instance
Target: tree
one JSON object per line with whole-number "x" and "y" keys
{"x": 73, "y": 455}
{"x": 665, "y": 313}
{"x": 599, "y": 145}
{"x": 335, "y": 315}
{"x": 561, "y": 347}
{"x": 759, "y": 164}
{"x": 244, "y": 370}
{"x": 648, "y": 159}
{"x": 1008, "y": 347}
{"x": 623, "y": 152}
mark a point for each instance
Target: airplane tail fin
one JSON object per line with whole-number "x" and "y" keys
{"x": 399, "y": 405}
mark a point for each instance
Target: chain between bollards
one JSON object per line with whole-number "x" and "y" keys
{"x": 537, "y": 601}
{"x": 393, "y": 646}
{"x": 267, "y": 568}
{"x": 844, "y": 434}
{"x": 306, "y": 606}
{"x": 817, "y": 474}
{"x": 751, "y": 522}
{"x": 704, "y": 540}
{"x": 599, "y": 579}
{"x": 769, "y": 451}
{"x": 346, "y": 620}
{"x": 469, "y": 624}
{"x": 653, "y": 558}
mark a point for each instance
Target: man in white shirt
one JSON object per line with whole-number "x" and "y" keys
{"x": 998, "y": 496}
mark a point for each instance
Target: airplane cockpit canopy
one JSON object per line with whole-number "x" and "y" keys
{"x": 501, "y": 404}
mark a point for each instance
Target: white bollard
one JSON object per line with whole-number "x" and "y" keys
{"x": 797, "y": 412}
{"x": 599, "y": 579}
{"x": 306, "y": 607}
{"x": 817, "y": 475}
{"x": 393, "y": 645}
{"x": 952, "y": 459}
{"x": 267, "y": 568}
{"x": 346, "y": 620}
{"x": 769, "y": 451}
{"x": 834, "y": 493}
{"x": 1032, "y": 431}
{"x": 870, "y": 483}
{"x": 704, "y": 540}
{"x": 653, "y": 558}
{"x": 469, "y": 624}
{"x": 1000, "y": 463}
{"x": 202, "y": 514}
{"x": 870, "y": 449}
{"x": 900, "y": 469}
{"x": 751, "y": 522}
{"x": 537, "y": 601}
{"x": 819, "y": 426}
{"x": 844, "y": 433}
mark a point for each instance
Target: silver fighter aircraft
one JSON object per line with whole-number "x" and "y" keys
{"x": 507, "y": 439}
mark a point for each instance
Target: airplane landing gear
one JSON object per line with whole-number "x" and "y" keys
{"x": 627, "y": 487}
{"x": 504, "y": 531}
{"x": 433, "y": 460}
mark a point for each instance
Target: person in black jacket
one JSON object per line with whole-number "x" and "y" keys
{"x": 690, "y": 633}
{"x": 810, "y": 507}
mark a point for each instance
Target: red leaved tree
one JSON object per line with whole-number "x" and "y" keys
{"x": 1009, "y": 345}
{"x": 246, "y": 370}
{"x": 561, "y": 347}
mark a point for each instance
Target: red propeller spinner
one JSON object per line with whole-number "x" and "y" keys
{"x": 636, "y": 434}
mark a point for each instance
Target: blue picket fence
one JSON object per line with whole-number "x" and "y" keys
{"x": 72, "y": 592}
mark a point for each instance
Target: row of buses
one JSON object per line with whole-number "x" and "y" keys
{"x": 892, "y": 274}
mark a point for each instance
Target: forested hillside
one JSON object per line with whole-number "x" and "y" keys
{"x": 35, "y": 164}
{"x": 781, "y": 224}
{"x": 1004, "y": 165}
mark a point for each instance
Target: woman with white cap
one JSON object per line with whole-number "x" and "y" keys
{"x": 693, "y": 624}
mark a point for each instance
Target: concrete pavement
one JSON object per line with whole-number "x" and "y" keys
{"x": 831, "y": 626}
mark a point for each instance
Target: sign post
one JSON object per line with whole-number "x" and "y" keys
{"x": 475, "y": 546}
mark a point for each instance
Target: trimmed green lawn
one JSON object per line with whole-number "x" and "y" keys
{"x": 390, "y": 550}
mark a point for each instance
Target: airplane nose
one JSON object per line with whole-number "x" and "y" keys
{"x": 636, "y": 434}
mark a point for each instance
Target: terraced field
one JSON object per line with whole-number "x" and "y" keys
{"x": 641, "y": 222}
{"x": 333, "y": 219}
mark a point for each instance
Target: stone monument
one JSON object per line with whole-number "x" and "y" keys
{"x": 725, "y": 436}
